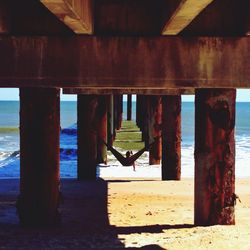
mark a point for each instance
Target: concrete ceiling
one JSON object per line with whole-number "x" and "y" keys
{"x": 126, "y": 17}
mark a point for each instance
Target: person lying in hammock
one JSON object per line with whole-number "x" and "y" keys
{"x": 128, "y": 154}
{"x": 130, "y": 159}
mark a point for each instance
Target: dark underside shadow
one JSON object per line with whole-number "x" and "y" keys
{"x": 150, "y": 229}
{"x": 85, "y": 221}
{"x": 135, "y": 179}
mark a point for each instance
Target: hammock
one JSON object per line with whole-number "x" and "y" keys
{"x": 127, "y": 161}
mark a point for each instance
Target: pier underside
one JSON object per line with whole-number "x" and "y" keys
{"x": 98, "y": 50}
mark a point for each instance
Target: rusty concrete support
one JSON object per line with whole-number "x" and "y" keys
{"x": 139, "y": 105}
{"x": 39, "y": 156}
{"x": 115, "y": 115}
{"x": 121, "y": 111}
{"x": 119, "y": 103}
{"x": 4, "y": 17}
{"x": 144, "y": 121}
{"x": 118, "y": 108}
{"x": 171, "y": 137}
{"x": 137, "y": 112}
{"x": 214, "y": 156}
{"x": 129, "y": 107}
{"x": 86, "y": 136}
{"x": 110, "y": 119}
{"x": 101, "y": 117}
{"x": 155, "y": 120}
{"x": 115, "y": 112}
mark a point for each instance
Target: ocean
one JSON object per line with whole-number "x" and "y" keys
{"x": 9, "y": 143}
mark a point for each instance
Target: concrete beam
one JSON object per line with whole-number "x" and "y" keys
{"x": 76, "y": 14}
{"x": 124, "y": 62}
{"x": 185, "y": 13}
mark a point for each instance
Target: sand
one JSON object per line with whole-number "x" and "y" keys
{"x": 147, "y": 214}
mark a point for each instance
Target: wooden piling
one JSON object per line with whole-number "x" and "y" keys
{"x": 155, "y": 120}
{"x": 171, "y": 137}
{"x": 129, "y": 107}
{"x": 86, "y": 137}
{"x": 101, "y": 116}
{"x": 214, "y": 156}
{"x": 38, "y": 202}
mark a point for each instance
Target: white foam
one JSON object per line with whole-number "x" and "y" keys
{"x": 4, "y": 155}
{"x": 143, "y": 170}
{"x": 10, "y": 168}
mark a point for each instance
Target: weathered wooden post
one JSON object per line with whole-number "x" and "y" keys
{"x": 155, "y": 120}
{"x": 86, "y": 136}
{"x": 39, "y": 156}
{"x": 214, "y": 156}
{"x": 101, "y": 116}
{"x": 171, "y": 137}
{"x": 129, "y": 107}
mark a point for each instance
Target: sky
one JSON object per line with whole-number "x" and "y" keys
{"x": 243, "y": 95}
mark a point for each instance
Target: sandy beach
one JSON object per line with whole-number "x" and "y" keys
{"x": 146, "y": 214}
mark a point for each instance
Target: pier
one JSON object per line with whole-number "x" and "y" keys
{"x": 104, "y": 50}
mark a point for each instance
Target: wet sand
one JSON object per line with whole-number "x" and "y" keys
{"x": 146, "y": 214}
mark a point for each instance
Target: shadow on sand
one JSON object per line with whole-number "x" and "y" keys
{"x": 85, "y": 222}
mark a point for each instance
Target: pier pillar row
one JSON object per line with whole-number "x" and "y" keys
{"x": 38, "y": 201}
{"x": 171, "y": 137}
{"x": 214, "y": 156}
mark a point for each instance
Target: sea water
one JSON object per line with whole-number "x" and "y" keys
{"x": 9, "y": 143}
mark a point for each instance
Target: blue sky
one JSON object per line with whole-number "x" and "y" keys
{"x": 243, "y": 95}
